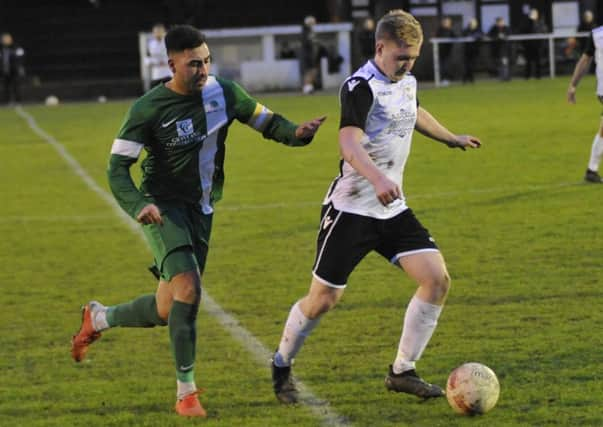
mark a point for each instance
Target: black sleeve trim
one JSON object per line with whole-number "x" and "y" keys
{"x": 356, "y": 99}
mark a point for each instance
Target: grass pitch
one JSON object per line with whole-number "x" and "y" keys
{"x": 520, "y": 231}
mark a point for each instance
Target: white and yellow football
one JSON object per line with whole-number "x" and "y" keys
{"x": 472, "y": 388}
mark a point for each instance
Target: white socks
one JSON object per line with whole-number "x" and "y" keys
{"x": 185, "y": 389}
{"x": 596, "y": 153}
{"x": 98, "y": 312}
{"x": 419, "y": 323}
{"x": 297, "y": 328}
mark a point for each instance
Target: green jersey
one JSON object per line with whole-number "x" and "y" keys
{"x": 183, "y": 136}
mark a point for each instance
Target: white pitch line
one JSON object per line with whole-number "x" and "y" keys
{"x": 319, "y": 407}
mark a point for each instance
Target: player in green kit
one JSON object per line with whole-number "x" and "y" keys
{"x": 182, "y": 126}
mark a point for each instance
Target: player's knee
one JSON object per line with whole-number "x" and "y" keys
{"x": 318, "y": 310}
{"x": 163, "y": 311}
{"x": 438, "y": 285}
{"x": 327, "y": 302}
{"x": 319, "y": 304}
{"x": 447, "y": 282}
{"x": 442, "y": 284}
{"x": 190, "y": 293}
{"x": 187, "y": 287}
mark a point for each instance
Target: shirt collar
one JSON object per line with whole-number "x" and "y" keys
{"x": 380, "y": 75}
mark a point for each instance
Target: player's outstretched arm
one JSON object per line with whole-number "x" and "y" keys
{"x": 581, "y": 68}
{"x": 309, "y": 129}
{"x": 272, "y": 125}
{"x": 431, "y": 128}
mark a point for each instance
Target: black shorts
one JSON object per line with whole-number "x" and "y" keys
{"x": 344, "y": 239}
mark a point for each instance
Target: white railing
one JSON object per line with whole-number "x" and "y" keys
{"x": 261, "y": 69}
{"x": 550, "y": 37}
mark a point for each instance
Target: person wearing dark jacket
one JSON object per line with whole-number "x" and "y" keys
{"x": 471, "y": 49}
{"x": 12, "y": 69}
{"x": 533, "y": 48}
{"x": 500, "y": 48}
{"x": 586, "y": 26}
{"x": 310, "y": 56}
{"x": 445, "y": 54}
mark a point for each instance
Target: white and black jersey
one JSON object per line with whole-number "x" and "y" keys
{"x": 387, "y": 112}
{"x": 594, "y": 47}
{"x": 354, "y": 222}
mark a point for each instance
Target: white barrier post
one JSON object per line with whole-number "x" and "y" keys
{"x": 552, "y": 56}
{"x": 436, "y": 63}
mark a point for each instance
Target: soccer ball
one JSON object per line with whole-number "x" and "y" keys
{"x": 472, "y": 388}
{"x": 51, "y": 101}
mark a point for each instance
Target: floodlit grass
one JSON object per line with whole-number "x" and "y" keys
{"x": 520, "y": 231}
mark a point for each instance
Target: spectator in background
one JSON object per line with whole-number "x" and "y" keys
{"x": 310, "y": 56}
{"x": 586, "y": 25}
{"x": 500, "y": 48}
{"x": 471, "y": 49}
{"x": 532, "y": 49}
{"x": 569, "y": 50}
{"x": 12, "y": 68}
{"x": 445, "y": 52}
{"x": 157, "y": 58}
{"x": 366, "y": 40}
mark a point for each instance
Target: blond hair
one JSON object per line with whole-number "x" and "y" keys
{"x": 399, "y": 25}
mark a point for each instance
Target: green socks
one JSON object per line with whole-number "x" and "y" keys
{"x": 142, "y": 313}
{"x": 139, "y": 313}
{"x": 183, "y": 338}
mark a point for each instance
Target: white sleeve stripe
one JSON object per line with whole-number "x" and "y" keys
{"x": 262, "y": 120}
{"x": 123, "y": 147}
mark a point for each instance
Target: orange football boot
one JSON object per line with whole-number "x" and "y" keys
{"x": 189, "y": 406}
{"x": 86, "y": 335}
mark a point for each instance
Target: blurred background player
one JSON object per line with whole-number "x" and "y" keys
{"x": 365, "y": 208}
{"x": 445, "y": 53}
{"x": 12, "y": 68}
{"x": 499, "y": 49}
{"x": 182, "y": 126}
{"x": 157, "y": 58}
{"x": 366, "y": 41}
{"x": 471, "y": 51}
{"x": 594, "y": 48}
{"x": 310, "y": 56}
{"x": 533, "y": 49}
{"x": 587, "y": 23}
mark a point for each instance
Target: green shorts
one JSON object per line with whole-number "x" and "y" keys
{"x": 181, "y": 243}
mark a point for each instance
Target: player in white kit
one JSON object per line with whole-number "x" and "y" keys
{"x": 594, "y": 48}
{"x": 365, "y": 208}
